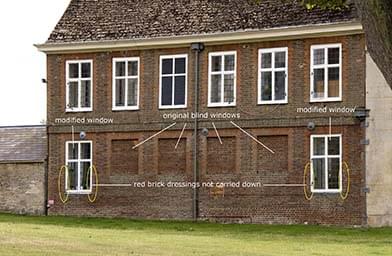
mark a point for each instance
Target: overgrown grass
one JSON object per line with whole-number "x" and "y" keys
{"x": 25, "y": 235}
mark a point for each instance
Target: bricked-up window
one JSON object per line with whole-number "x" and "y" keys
{"x": 222, "y": 79}
{"x": 326, "y": 157}
{"x": 221, "y": 158}
{"x": 124, "y": 159}
{"x": 78, "y": 157}
{"x": 273, "y": 165}
{"x": 125, "y": 83}
{"x": 79, "y": 95}
{"x": 172, "y": 156}
{"x": 272, "y": 86}
{"x": 326, "y": 73}
{"x": 173, "y": 81}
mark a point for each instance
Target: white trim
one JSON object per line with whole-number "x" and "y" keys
{"x": 78, "y": 80}
{"x": 268, "y": 34}
{"x": 325, "y": 156}
{"x": 273, "y": 51}
{"x": 126, "y": 77}
{"x": 222, "y": 73}
{"x": 173, "y": 75}
{"x": 78, "y": 161}
{"x": 325, "y": 66}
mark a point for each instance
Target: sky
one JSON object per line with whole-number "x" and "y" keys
{"x": 22, "y": 24}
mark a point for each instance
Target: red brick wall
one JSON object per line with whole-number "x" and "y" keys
{"x": 124, "y": 160}
{"x": 278, "y": 126}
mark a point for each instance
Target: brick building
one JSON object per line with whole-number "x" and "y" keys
{"x": 279, "y": 93}
{"x": 23, "y": 169}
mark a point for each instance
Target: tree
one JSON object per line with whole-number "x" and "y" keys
{"x": 376, "y": 18}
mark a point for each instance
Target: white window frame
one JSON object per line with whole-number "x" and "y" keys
{"x": 325, "y": 66}
{"x": 78, "y": 161}
{"x": 325, "y": 157}
{"x": 126, "y": 77}
{"x": 79, "y": 80}
{"x": 173, "y": 57}
{"x": 222, "y": 73}
{"x": 272, "y": 70}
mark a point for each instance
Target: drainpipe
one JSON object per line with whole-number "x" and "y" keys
{"x": 46, "y": 175}
{"x": 197, "y": 48}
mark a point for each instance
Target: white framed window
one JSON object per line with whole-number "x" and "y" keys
{"x": 325, "y": 162}
{"x": 173, "y": 81}
{"x": 222, "y": 79}
{"x": 78, "y": 157}
{"x": 326, "y": 73}
{"x": 79, "y": 85}
{"x": 125, "y": 85}
{"x": 273, "y": 76}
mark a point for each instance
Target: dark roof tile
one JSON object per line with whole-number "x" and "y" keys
{"x": 24, "y": 143}
{"x": 101, "y": 20}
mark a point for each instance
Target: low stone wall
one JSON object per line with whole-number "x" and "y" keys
{"x": 22, "y": 188}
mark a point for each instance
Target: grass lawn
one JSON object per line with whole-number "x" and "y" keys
{"x": 22, "y": 235}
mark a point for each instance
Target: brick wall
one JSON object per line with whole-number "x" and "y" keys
{"x": 238, "y": 159}
{"x": 22, "y": 188}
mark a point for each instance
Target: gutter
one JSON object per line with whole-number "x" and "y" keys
{"x": 259, "y": 35}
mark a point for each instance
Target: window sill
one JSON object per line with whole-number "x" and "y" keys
{"x": 173, "y": 107}
{"x": 221, "y": 105}
{"x": 80, "y": 110}
{"x": 326, "y": 100}
{"x": 334, "y": 191}
{"x": 87, "y": 192}
{"x": 272, "y": 102}
{"x": 116, "y": 109}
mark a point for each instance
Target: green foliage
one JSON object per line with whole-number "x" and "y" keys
{"x": 325, "y": 4}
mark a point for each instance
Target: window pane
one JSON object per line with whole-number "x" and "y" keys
{"x": 318, "y": 83}
{"x": 229, "y": 88}
{"x": 73, "y": 151}
{"x": 120, "y": 68}
{"x": 72, "y": 181}
{"x": 120, "y": 92}
{"x": 216, "y": 84}
{"x": 280, "y": 59}
{"x": 333, "y": 173}
{"x": 266, "y": 60}
{"x": 73, "y": 70}
{"x": 132, "y": 92}
{"x": 333, "y": 146}
{"x": 229, "y": 63}
{"x": 167, "y": 88}
{"x": 132, "y": 68}
{"x": 280, "y": 85}
{"x": 85, "y": 149}
{"x": 333, "y": 56}
{"x": 85, "y": 176}
{"x": 86, "y": 94}
{"x": 333, "y": 82}
{"x": 319, "y": 173}
{"x": 319, "y": 146}
{"x": 167, "y": 66}
{"x": 216, "y": 63}
{"x": 86, "y": 70}
{"x": 179, "y": 90}
{"x": 73, "y": 97}
{"x": 318, "y": 56}
{"x": 266, "y": 86}
{"x": 180, "y": 66}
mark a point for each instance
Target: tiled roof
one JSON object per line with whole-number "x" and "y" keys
{"x": 105, "y": 20}
{"x": 23, "y": 144}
